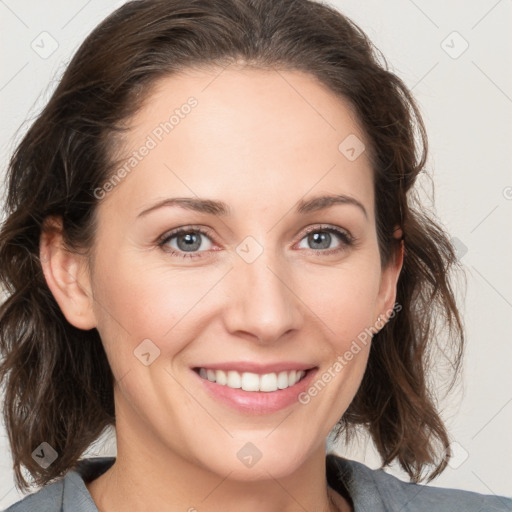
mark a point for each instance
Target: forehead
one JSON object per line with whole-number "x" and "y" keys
{"x": 244, "y": 133}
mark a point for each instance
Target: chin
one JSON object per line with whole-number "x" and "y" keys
{"x": 246, "y": 461}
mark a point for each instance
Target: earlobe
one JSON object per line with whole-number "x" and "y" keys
{"x": 65, "y": 275}
{"x": 389, "y": 281}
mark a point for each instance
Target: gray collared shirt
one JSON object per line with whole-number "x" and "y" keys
{"x": 370, "y": 491}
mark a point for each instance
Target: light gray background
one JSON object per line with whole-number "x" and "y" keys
{"x": 466, "y": 101}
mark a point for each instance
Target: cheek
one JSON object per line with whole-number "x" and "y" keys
{"x": 137, "y": 299}
{"x": 345, "y": 302}
{"x": 344, "y": 299}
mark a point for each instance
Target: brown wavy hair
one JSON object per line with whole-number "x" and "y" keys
{"x": 57, "y": 381}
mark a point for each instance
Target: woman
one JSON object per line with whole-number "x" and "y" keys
{"x": 211, "y": 243}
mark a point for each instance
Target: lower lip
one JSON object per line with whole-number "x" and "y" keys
{"x": 258, "y": 402}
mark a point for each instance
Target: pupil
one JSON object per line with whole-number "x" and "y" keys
{"x": 191, "y": 241}
{"x": 322, "y": 240}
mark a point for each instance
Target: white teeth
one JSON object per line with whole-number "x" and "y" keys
{"x": 282, "y": 380}
{"x": 249, "y": 381}
{"x": 221, "y": 377}
{"x": 268, "y": 382}
{"x": 234, "y": 380}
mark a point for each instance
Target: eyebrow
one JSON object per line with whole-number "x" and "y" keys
{"x": 220, "y": 208}
{"x": 326, "y": 201}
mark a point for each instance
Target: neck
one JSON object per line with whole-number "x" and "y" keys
{"x": 135, "y": 486}
{"x": 149, "y": 475}
{"x": 163, "y": 481}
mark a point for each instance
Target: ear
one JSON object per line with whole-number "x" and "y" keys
{"x": 66, "y": 275}
{"x": 389, "y": 279}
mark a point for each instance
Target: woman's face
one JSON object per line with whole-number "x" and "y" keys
{"x": 268, "y": 283}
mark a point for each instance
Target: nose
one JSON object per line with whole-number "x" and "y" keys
{"x": 263, "y": 305}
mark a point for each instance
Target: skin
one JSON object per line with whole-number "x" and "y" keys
{"x": 260, "y": 141}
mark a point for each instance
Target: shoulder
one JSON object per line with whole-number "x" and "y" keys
{"x": 375, "y": 490}
{"x": 47, "y": 499}
{"x": 68, "y": 494}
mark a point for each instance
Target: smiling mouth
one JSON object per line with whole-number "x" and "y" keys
{"x": 249, "y": 381}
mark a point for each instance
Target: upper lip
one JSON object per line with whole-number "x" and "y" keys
{"x": 249, "y": 366}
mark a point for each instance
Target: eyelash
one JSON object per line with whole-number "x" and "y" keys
{"x": 346, "y": 239}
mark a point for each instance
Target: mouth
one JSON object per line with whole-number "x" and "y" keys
{"x": 254, "y": 389}
{"x": 249, "y": 381}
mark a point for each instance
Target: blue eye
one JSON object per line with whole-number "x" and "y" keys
{"x": 322, "y": 237}
{"x": 191, "y": 242}
{"x": 188, "y": 241}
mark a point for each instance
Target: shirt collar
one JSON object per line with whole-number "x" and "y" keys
{"x": 76, "y": 497}
{"x": 359, "y": 482}
{"x": 343, "y": 476}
